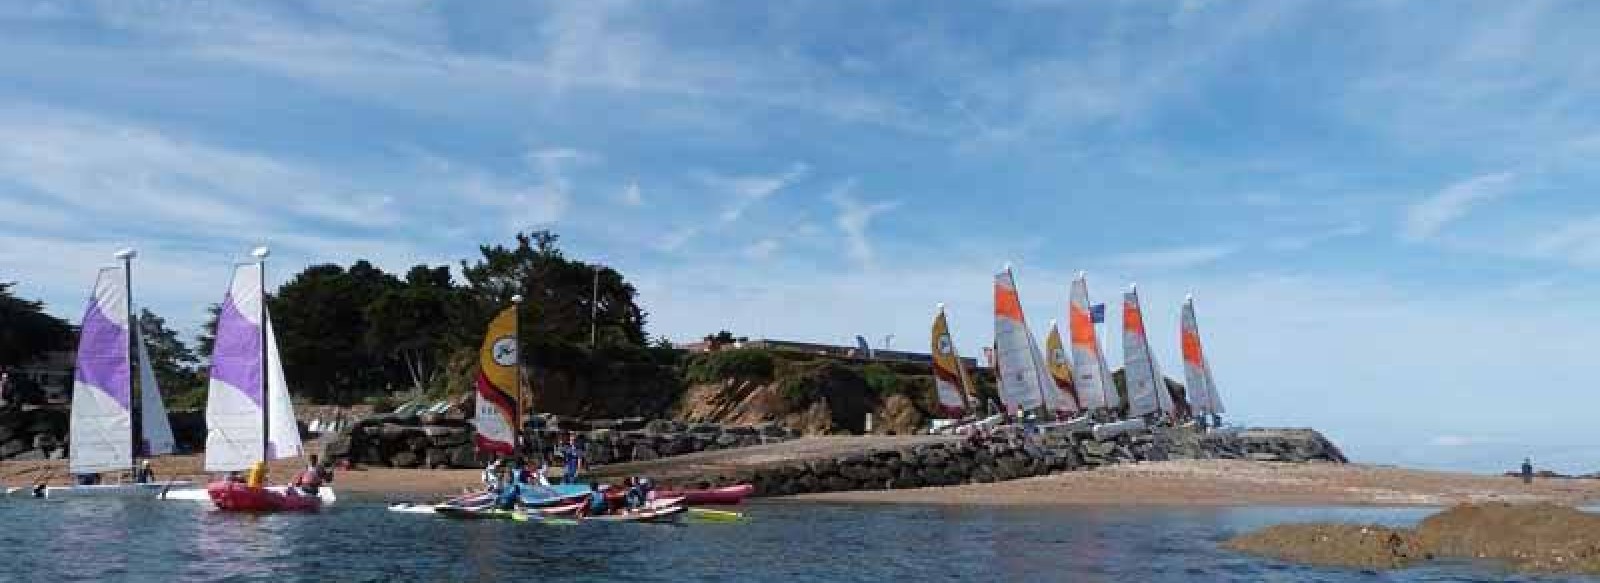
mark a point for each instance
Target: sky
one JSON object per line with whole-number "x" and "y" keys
{"x": 1385, "y": 210}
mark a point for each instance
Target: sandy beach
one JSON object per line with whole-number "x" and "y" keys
{"x": 1172, "y": 483}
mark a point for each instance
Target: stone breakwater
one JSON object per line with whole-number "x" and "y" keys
{"x": 429, "y": 441}
{"x": 840, "y": 464}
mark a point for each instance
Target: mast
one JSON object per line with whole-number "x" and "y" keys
{"x": 516, "y": 333}
{"x": 126, "y": 255}
{"x": 260, "y": 253}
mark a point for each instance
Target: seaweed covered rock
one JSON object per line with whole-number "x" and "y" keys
{"x": 1337, "y": 545}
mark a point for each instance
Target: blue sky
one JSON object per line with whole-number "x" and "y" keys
{"x": 1385, "y": 209}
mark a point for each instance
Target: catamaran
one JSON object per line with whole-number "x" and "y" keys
{"x": 1202, "y": 389}
{"x": 1093, "y": 379}
{"x": 249, "y": 417}
{"x": 1060, "y": 367}
{"x": 1025, "y": 383}
{"x": 1147, "y": 389}
{"x": 107, "y": 420}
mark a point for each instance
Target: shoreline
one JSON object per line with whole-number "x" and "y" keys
{"x": 1172, "y": 484}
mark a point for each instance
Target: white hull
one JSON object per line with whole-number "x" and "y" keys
{"x": 110, "y": 490}
{"x": 192, "y": 494}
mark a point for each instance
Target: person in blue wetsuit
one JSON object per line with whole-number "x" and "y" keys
{"x": 572, "y": 455}
{"x": 633, "y": 498}
{"x": 596, "y": 504}
{"x": 511, "y": 490}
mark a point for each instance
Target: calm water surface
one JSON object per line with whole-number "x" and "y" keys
{"x": 58, "y": 541}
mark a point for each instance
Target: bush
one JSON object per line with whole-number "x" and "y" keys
{"x": 745, "y": 364}
{"x": 881, "y": 380}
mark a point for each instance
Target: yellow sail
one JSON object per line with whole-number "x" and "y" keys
{"x": 950, "y": 381}
{"x": 497, "y": 386}
{"x": 1060, "y": 367}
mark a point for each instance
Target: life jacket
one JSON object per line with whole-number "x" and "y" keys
{"x": 257, "y": 476}
{"x": 597, "y": 501}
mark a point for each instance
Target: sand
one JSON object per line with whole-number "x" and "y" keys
{"x": 1173, "y": 483}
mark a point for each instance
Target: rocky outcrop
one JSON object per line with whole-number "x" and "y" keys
{"x": 30, "y": 433}
{"x": 439, "y": 442}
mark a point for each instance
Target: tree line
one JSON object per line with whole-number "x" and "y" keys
{"x": 347, "y": 334}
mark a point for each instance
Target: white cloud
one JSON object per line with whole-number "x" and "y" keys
{"x": 746, "y": 191}
{"x": 1426, "y": 218}
{"x": 1174, "y": 258}
{"x": 1576, "y": 241}
{"x": 1304, "y": 240}
{"x": 763, "y": 249}
{"x": 632, "y": 196}
{"x": 677, "y": 238}
{"x": 853, "y": 219}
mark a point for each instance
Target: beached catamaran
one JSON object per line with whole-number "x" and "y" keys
{"x": 249, "y": 417}
{"x": 1025, "y": 383}
{"x": 1093, "y": 380}
{"x": 106, "y": 420}
{"x": 1060, "y": 366}
{"x": 951, "y": 384}
{"x": 1147, "y": 389}
{"x": 1202, "y": 389}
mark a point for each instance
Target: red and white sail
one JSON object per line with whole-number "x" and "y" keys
{"x": 1024, "y": 382}
{"x": 1202, "y": 389}
{"x": 1093, "y": 378}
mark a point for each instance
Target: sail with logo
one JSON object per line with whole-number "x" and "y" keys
{"x": 1202, "y": 389}
{"x": 498, "y": 384}
{"x": 1093, "y": 380}
{"x": 1147, "y": 389}
{"x": 951, "y": 384}
{"x": 1060, "y": 367}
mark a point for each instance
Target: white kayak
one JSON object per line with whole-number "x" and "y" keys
{"x": 652, "y": 515}
{"x": 107, "y": 490}
{"x": 191, "y": 494}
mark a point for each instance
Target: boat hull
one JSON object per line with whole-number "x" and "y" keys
{"x": 715, "y": 496}
{"x": 112, "y": 490}
{"x": 237, "y": 497}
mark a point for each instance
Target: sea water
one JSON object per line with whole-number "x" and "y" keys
{"x": 84, "y": 540}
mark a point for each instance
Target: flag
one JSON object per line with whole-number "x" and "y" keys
{"x": 1097, "y": 314}
{"x": 861, "y": 344}
{"x": 497, "y": 386}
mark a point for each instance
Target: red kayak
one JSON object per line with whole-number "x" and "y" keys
{"x": 724, "y": 495}
{"x": 238, "y": 497}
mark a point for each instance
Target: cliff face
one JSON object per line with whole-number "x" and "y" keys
{"x": 813, "y": 394}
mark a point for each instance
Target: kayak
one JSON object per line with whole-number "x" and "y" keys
{"x": 326, "y": 493}
{"x": 553, "y": 495}
{"x": 111, "y": 490}
{"x": 724, "y": 495}
{"x": 666, "y": 514}
{"x": 479, "y": 513}
{"x": 574, "y": 507}
{"x": 715, "y": 515}
{"x": 239, "y": 497}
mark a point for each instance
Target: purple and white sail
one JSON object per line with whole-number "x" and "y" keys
{"x": 235, "y": 399}
{"x": 100, "y": 431}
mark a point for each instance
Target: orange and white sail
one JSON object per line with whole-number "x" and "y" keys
{"x": 1147, "y": 389}
{"x": 950, "y": 381}
{"x": 1202, "y": 389}
{"x": 1093, "y": 380}
{"x": 1055, "y": 355}
{"x": 1024, "y": 382}
{"x": 498, "y": 386}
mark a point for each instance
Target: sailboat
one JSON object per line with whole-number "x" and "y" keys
{"x": 951, "y": 384}
{"x": 1060, "y": 367}
{"x": 1147, "y": 389}
{"x": 249, "y": 417}
{"x": 102, "y": 433}
{"x": 1202, "y": 389}
{"x": 1093, "y": 380}
{"x": 1025, "y": 384}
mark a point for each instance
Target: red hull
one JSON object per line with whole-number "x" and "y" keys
{"x": 237, "y": 497}
{"x": 728, "y": 495}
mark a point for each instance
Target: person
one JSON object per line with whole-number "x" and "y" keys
{"x": 257, "y": 476}
{"x": 309, "y": 480}
{"x": 145, "y": 475}
{"x": 646, "y": 489}
{"x": 540, "y": 475}
{"x": 491, "y": 476}
{"x": 596, "y": 504}
{"x": 1527, "y": 470}
{"x": 633, "y": 497}
{"x": 572, "y": 455}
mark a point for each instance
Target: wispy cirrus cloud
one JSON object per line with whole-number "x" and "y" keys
{"x": 745, "y": 191}
{"x": 854, "y": 217}
{"x": 1424, "y": 219}
{"x": 1184, "y": 257}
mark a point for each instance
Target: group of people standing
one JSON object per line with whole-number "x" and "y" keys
{"x": 506, "y": 478}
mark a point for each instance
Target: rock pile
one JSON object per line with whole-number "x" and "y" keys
{"x": 431, "y": 441}
{"x": 29, "y": 433}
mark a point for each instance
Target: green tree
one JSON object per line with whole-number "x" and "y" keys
{"x": 319, "y": 317}
{"x": 26, "y": 331}
{"x": 174, "y": 363}
{"x": 418, "y": 324}
{"x": 559, "y": 295}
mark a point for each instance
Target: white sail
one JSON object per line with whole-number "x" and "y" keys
{"x": 153, "y": 422}
{"x": 1023, "y": 378}
{"x": 1094, "y": 378}
{"x": 100, "y": 431}
{"x": 1147, "y": 390}
{"x": 284, "y": 432}
{"x": 233, "y": 398}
